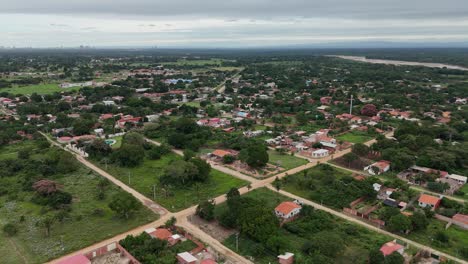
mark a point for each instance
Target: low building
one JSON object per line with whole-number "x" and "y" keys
{"x": 287, "y": 210}
{"x": 186, "y": 258}
{"x": 390, "y": 247}
{"x": 286, "y": 258}
{"x": 458, "y": 178}
{"x": 320, "y": 153}
{"x": 378, "y": 167}
{"x": 77, "y": 259}
{"x": 430, "y": 201}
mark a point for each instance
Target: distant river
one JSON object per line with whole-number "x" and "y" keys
{"x": 399, "y": 63}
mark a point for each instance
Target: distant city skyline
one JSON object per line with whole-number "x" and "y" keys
{"x": 234, "y": 24}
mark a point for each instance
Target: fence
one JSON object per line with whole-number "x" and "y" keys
{"x": 451, "y": 221}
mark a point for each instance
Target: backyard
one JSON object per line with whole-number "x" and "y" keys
{"x": 285, "y": 160}
{"x": 355, "y": 137}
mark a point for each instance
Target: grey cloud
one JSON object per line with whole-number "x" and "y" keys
{"x": 255, "y": 9}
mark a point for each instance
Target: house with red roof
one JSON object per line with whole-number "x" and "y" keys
{"x": 429, "y": 201}
{"x": 390, "y": 247}
{"x": 378, "y": 167}
{"x": 287, "y": 210}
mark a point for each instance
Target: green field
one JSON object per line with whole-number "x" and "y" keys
{"x": 89, "y": 221}
{"x": 285, "y": 160}
{"x": 458, "y": 238}
{"x": 39, "y": 88}
{"x": 145, "y": 176}
{"x": 355, "y": 137}
{"x": 183, "y": 62}
{"x": 357, "y": 241}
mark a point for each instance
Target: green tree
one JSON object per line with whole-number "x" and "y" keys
{"x": 124, "y": 204}
{"x": 10, "y": 229}
{"x": 205, "y": 210}
{"x": 394, "y": 258}
{"x": 419, "y": 221}
{"x": 399, "y": 223}
{"x": 376, "y": 257}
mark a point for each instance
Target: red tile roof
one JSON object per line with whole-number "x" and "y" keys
{"x": 428, "y": 199}
{"x": 161, "y": 233}
{"x": 286, "y": 207}
{"x": 461, "y": 218}
{"x": 77, "y": 259}
{"x": 390, "y": 247}
{"x": 221, "y": 153}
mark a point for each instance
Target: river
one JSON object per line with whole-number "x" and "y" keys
{"x": 400, "y": 63}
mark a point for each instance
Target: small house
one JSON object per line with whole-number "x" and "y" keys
{"x": 320, "y": 153}
{"x": 378, "y": 167}
{"x": 186, "y": 258}
{"x": 430, "y": 201}
{"x": 286, "y": 258}
{"x": 390, "y": 247}
{"x": 287, "y": 210}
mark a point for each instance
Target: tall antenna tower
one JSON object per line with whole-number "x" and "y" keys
{"x": 351, "y": 105}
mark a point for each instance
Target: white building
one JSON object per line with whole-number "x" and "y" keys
{"x": 320, "y": 153}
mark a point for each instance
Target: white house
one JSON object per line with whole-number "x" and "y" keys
{"x": 378, "y": 167}
{"x": 460, "y": 179}
{"x": 320, "y": 153}
{"x": 287, "y": 210}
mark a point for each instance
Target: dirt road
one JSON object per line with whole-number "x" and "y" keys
{"x": 364, "y": 224}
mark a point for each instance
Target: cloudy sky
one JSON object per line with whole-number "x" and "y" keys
{"x": 235, "y": 23}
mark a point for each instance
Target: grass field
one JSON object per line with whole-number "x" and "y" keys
{"x": 48, "y": 88}
{"x": 145, "y": 176}
{"x": 355, "y": 137}
{"x": 228, "y": 68}
{"x": 183, "y": 62}
{"x": 118, "y": 142}
{"x": 357, "y": 240}
{"x": 285, "y": 160}
{"x": 458, "y": 238}
{"x": 82, "y": 227}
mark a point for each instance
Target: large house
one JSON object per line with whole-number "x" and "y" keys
{"x": 287, "y": 210}
{"x": 429, "y": 201}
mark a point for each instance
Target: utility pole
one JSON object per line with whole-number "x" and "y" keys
{"x": 129, "y": 174}
{"x": 237, "y": 241}
{"x": 154, "y": 191}
{"x": 351, "y": 105}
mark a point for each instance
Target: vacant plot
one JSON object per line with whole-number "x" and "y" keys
{"x": 457, "y": 238}
{"x": 327, "y": 185}
{"x": 144, "y": 179}
{"x": 285, "y": 160}
{"x": 355, "y": 137}
{"x": 183, "y": 62}
{"x": 48, "y": 88}
{"x": 88, "y": 221}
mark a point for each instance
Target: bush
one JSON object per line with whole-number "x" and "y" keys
{"x": 228, "y": 159}
{"x": 10, "y": 229}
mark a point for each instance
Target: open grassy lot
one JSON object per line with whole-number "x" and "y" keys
{"x": 356, "y": 241}
{"x": 458, "y": 238}
{"x": 317, "y": 184}
{"x": 355, "y": 137}
{"x": 48, "y": 88}
{"x": 11, "y": 151}
{"x": 228, "y": 68}
{"x": 89, "y": 220}
{"x": 118, "y": 142}
{"x": 146, "y": 175}
{"x": 183, "y": 62}
{"x": 285, "y": 160}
